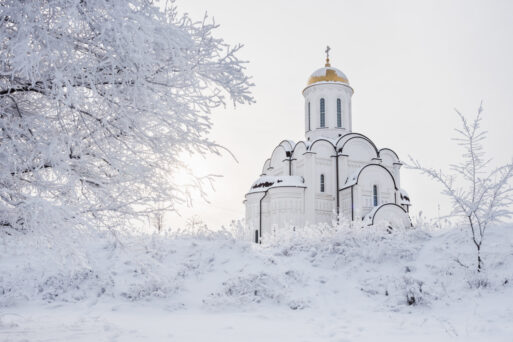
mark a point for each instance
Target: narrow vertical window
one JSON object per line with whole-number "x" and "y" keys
{"x": 339, "y": 113}
{"x": 308, "y": 115}
{"x": 322, "y": 183}
{"x": 375, "y": 195}
{"x": 323, "y": 113}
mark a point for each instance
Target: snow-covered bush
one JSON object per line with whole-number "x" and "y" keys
{"x": 393, "y": 271}
{"x": 98, "y": 99}
{"x": 251, "y": 288}
{"x": 414, "y": 292}
{"x": 480, "y": 196}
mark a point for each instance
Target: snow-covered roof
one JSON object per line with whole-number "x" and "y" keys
{"x": 310, "y": 143}
{"x": 351, "y": 180}
{"x": 290, "y": 146}
{"x": 322, "y": 72}
{"x": 327, "y": 74}
{"x": 264, "y": 183}
{"x": 405, "y": 198}
{"x": 370, "y": 215}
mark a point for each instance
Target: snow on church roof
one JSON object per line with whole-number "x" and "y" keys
{"x": 291, "y": 145}
{"x": 309, "y": 144}
{"x": 350, "y": 181}
{"x": 327, "y": 74}
{"x": 405, "y": 199}
{"x": 264, "y": 183}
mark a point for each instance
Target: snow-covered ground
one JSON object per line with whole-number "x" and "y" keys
{"x": 346, "y": 285}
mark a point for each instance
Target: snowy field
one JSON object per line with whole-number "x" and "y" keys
{"x": 348, "y": 285}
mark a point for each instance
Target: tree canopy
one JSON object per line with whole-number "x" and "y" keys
{"x": 97, "y": 100}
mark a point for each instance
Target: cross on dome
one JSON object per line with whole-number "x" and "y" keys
{"x": 328, "y": 73}
{"x": 327, "y": 56}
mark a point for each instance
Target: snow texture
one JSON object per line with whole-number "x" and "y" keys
{"x": 98, "y": 101}
{"x": 320, "y": 284}
{"x": 322, "y": 72}
{"x": 350, "y": 181}
{"x": 404, "y": 197}
{"x": 265, "y": 183}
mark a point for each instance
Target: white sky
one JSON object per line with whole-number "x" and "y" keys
{"x": 409, "y": 62}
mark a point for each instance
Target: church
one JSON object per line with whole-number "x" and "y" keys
{"x": 333, "y": 174}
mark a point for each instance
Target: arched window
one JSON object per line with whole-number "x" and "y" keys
{"x": 375, "y": 195}
{"x": 322, "y": 183}
{"x": 339, "y": 113}
{"x": 308, "y": 115}
{"x": 323, "y": 113}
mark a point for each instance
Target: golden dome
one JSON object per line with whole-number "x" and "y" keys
{"x": 327, "y": 74}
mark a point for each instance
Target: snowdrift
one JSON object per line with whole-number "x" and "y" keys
{"x": 214, "y": 270}
{"x": 318, "y": 272}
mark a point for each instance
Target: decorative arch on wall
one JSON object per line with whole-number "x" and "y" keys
{"x": 388, "y": 157}
{"x": 374, "y": 165}
{"x": 280, "y": 161}
{"x": 342, "y": 141}
{"x": 388, "y": 150}
{"x": 266, "y": 166}
{"x": 298, "y": 150}
{"x": 366, "y": 142}
{"x": 323, "y": 149}
{"x": 344, "y": 136}
{"x": 287, "y": 144}
{"x": 321, "y": 140}
{"x": 384, "y": 206}
{"x": 281, "y": 156}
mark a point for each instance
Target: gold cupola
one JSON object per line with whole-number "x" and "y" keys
{"x": 328, "y": 73}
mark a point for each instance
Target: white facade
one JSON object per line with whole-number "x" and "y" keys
{"x": 334, "y": 172}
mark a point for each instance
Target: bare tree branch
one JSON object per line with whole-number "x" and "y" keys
{"x": 482, "y": 199}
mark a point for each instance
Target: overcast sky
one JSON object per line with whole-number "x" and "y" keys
{"x": 410, "y": 64}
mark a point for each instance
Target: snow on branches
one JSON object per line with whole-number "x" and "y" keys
{"x": 97, "y": 100}
{"x": 479, "y": 196}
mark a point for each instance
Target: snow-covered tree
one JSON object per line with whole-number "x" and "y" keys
{"x": 98, "y": 99}
{"x": 479, "y": 195}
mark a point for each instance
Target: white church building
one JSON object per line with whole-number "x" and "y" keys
{"x": 334, "y": 173}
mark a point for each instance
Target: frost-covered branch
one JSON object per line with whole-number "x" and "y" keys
{"x": 479, "y": 197}
{"x": 97, "y": 100}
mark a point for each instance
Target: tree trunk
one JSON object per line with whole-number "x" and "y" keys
{"x": 479, "y": 261}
